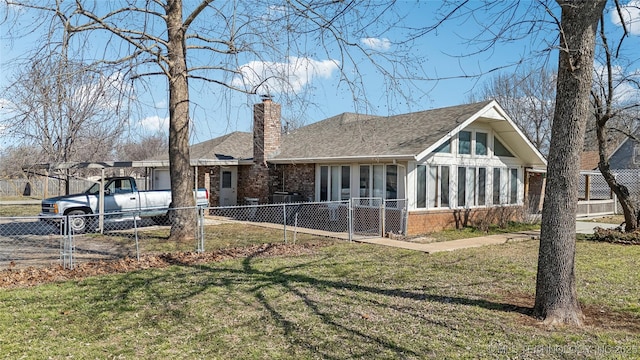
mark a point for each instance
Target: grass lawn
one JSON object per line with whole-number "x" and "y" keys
{"x": 345, "y": 301}
{"x": 19, "y": 210}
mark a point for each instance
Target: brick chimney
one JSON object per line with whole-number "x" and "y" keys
{"x": 267, "y": 128}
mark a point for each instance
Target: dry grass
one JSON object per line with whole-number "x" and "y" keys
{"x": 341, "y": 301}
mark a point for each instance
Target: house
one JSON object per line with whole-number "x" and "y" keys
{"x": 462, "y": 159}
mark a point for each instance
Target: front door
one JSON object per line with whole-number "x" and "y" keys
{"x": 229, "y": 186}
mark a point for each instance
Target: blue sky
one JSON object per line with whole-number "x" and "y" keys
{"x": 448, "y": 57}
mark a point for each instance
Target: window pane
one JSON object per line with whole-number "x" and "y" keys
{"x": 464, "y": 142}
{"x": 226, "y": 179}
{"x": 496, "y": 186}
{"x": 392, "y": 182}
{"x": 471, "y": 186}
{"x": 364, "y": 180}
{"x": 445, "y": 147}
{"x": 482, "y": 184}
{"x": 335, "y": 183}
{"x": 378, "y": 181}
{"x": 324, "y": 183}
{"x": 481, "y": 143}
{"x": 345, "y": 192}
{"x": 421, "y": 187}
{"x": 433, "y": 186}
{"x": 513, "y": 194}
{"x": 500, "y": 149}
{"x": 444, "y": 186}
{"x": 462, "y": 184}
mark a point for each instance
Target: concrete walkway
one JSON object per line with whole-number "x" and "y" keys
{"x": 582, "y": 227}
{"x": 452, "y": 245}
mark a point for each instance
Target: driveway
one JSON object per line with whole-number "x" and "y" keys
{"x": 587, "y": 227}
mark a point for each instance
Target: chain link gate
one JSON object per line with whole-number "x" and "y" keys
{"x": 367, "y": 217}
{"x": 377, "y": 217}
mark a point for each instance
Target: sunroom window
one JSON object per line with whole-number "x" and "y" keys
{"x": 464, "y": 142}
{"x": 335, "y": 182}
{"x": 499, "y": 149}
{"x": 432, "y": 186}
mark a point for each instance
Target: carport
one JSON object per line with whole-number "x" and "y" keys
{"x": 61, "y": 170}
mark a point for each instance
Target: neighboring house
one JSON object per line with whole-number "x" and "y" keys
{"x": 626, "y": 155}
{"x": 469, "y": 158}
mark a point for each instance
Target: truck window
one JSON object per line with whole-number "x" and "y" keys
{"x": 120, "y": 186}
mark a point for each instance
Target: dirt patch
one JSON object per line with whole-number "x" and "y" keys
{"x": 600, "y": 317}
{"x": 30, "y": 276}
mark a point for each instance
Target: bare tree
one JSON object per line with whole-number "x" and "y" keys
{"x": 528, "y": 96}
{"x": 611, "y": 104}
{"x": 147, "y": 147}
{"x": 64, "y": 111}
{"x": 207, "y": 41}
{"x": 556, "y": 295}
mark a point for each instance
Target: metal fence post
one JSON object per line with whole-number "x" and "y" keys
{"x": 200, "y": 229}
{"x": 382, "y": 217}
{"x": 350, "y": 219}
{"x": 284, "y": 221}
{"x": 135, "y": 232}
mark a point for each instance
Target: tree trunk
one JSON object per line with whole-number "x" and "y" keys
{"x": 621, "y": 191}
{"x": 183, "y": 221}
{"x": 556, "y": 296}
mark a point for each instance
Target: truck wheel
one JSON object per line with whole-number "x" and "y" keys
{"x": 78, "y": 222}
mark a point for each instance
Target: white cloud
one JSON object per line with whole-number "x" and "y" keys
{"x": 624, "y": 89}
{"x": 382, "y": 44}
{"x": 162, "y": 104}
{"x": 274, "y": 77}
{"x": 7, "y": 109}
{"x": 106, "y": 91}
{"x": 155, "y": 124}
{"x": 630, "y": 14}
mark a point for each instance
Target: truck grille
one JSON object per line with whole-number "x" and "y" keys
{"x": 48, "y": 209}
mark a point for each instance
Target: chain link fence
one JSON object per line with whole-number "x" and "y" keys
{"x": 68, "y": 240}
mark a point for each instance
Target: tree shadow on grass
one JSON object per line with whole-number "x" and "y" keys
{"x": 294, "y": 279}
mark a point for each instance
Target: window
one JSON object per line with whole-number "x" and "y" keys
{"x": 380, "y": 181}
{"x": 226, "y": 179}
{"x": 392, "y": 182}
{"x": 469, "y": 185}
{"x": 464, "y": 142}
{"x": 120, "y": 186}
{"x": 482, "y": 186}
{"x": 432, "y": 186}
{"x": 444, "y": 186}
{"x": 335, "y": 183}
{"x": 445, "y": 147}
{"x": 421, "y": 184}
{"x": 345, "y": 189}
{"x": 513, "y": 186}
{"x": 364, "y": 180}
{"x": 462, "y": 186}
{"x": 496, "y": 186}
{"x": 481, "y": 144}
{"x": 499, "y": 149}
{"x": 324, "y": 183}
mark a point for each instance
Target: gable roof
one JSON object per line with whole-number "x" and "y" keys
{"x": 402, "y": 137}
{"x": 359, "y": 137}
{"x": 352, "y": 135}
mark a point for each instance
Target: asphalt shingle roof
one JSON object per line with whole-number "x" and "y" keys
{"x": 354, "y": 135}
{"x": 236, "y": 145}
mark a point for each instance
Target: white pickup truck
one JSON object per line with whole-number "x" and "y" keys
{"x": 121, "y": 198}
